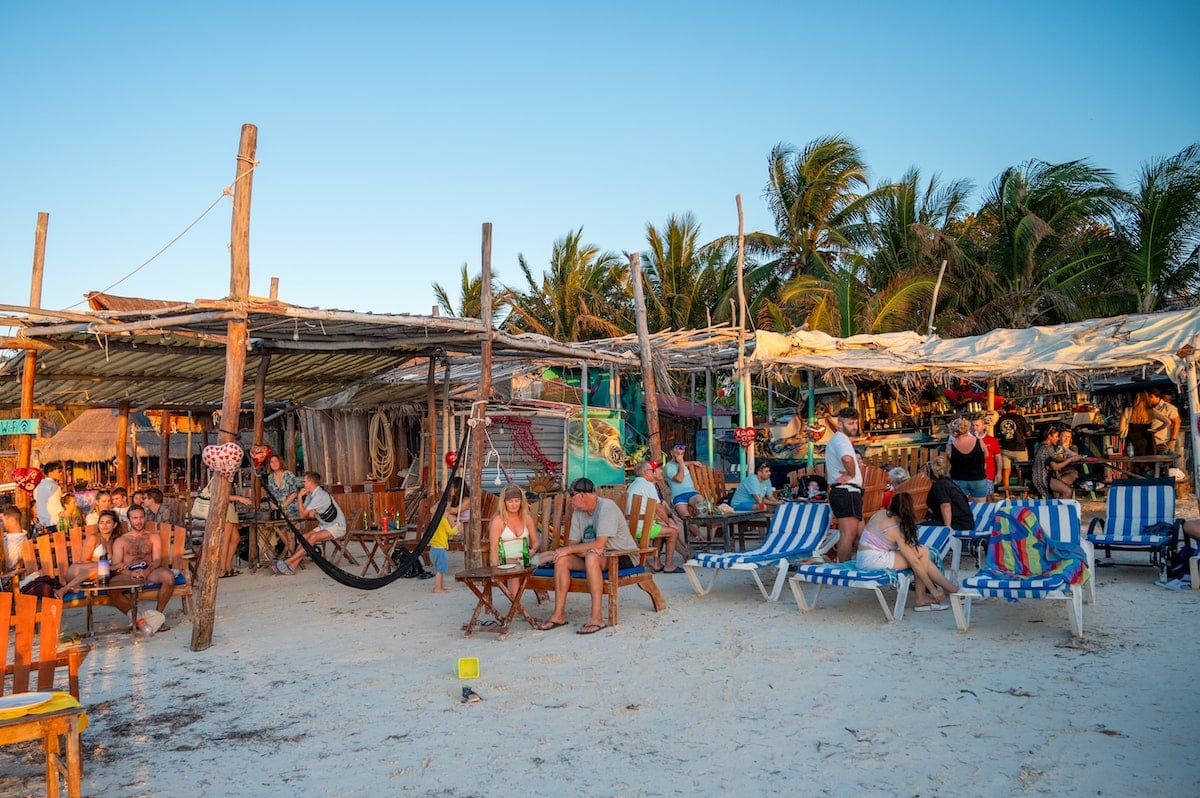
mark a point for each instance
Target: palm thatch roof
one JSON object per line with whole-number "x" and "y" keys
{"x": 92, "y": 438}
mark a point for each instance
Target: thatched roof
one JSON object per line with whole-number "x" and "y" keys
{"x": 92, "y": 438}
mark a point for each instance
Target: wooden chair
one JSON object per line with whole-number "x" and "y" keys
{"x": 874, "y": 485}
{"x": 918, "y": 487}
{"x": 25, "y": 618}
{"x": 176, "y": 545}
{"x": 641, "y": 512}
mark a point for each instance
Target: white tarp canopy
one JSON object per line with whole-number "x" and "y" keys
{"x": 1121, "y": 342}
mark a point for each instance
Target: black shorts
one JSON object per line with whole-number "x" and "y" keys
{"x": 845, "y": 503}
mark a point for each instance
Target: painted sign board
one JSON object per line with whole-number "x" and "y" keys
{"x": 19, "y": 426}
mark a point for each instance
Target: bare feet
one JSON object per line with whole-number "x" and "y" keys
{"x": 441, "y": 590}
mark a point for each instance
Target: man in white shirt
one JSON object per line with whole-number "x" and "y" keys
{"x": 667, "y": 528}
{"x": 48, "y": 495}
{"x": 316, "y": 503}
{"x": 844, "y": 472}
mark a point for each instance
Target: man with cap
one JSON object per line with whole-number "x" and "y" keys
{"x": 597, "y": 527}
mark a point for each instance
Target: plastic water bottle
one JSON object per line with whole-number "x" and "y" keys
{"x": 813, "y": 489}
{"x": 102, "y": 565}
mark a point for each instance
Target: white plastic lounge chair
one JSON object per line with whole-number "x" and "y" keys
{"x": 1133, "y": 505}
{"x": 939, "y": 539}
{"x": 1060, "y": 520}
{"x": 798, "y": 530}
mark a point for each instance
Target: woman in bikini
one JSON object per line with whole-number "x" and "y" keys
{"x": 105, "y": 533}
{"x": 889, "y": 540}
{"x": 512, "y": 522}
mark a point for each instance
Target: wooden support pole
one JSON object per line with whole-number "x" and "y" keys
{"x": 473, "y": 553}
{"x": 123, "y": 446}
{"x": 164, "y": 450}
{"x": 29, "y": 371}
{"x": 745, "y": 400}
{"x": 649, "y": 389}
{"x": 235, "y": 365}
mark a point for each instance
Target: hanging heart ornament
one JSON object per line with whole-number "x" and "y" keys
{"x": 27, "y": 478}
{"x": 745, "y": 435}
{"x": 259, "y": 453}
{"x": 451, "y": 458}
{"x": 224, "y": 458}
{"x": 816, "y": 432}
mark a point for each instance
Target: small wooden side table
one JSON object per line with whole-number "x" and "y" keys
{"x": 481, "y": 581}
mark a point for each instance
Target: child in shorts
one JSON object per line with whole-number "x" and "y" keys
{"x": 438, "y": 556}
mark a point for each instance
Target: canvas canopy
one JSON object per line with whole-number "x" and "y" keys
{"x": 1113, "y": 344}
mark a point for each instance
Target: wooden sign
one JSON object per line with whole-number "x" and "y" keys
{"x": 19, "y": 426}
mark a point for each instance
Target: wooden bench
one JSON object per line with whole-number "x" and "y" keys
{"x": 556, "y": 529}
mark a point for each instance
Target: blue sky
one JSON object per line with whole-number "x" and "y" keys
{"x": 388, "y": 134}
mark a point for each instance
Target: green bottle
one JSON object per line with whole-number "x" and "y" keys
{"x": 525, "y": 551}
{"x": 500, "y": 551}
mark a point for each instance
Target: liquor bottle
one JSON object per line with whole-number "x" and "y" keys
{"x": 365, "y": 525}
{"x": 102, "y": 565}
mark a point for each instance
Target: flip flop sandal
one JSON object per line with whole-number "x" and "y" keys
{"x": 590, "y": 629}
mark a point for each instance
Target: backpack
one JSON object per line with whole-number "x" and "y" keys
{"x": 1178, "y": 568}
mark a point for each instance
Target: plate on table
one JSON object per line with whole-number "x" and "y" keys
{"x": 509, "y": 566}
{"x": 18, "y": 704}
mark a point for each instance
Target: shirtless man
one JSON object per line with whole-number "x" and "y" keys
{"x": 137, "y": 558}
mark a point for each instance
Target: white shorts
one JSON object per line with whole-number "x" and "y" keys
{"x": 875, "y": 560}
{"x": 336, "y": 531}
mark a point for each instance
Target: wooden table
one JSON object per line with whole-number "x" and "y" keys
{"x": 48, "y": 727}
{"x": 91, "y": 590}
{"x": 261, "y": 533}
{"x": 728, "y": 524}
{"x": 1161, "y": 462}
{"x": 481, "y": 581}
{"x": 378, "y": 541}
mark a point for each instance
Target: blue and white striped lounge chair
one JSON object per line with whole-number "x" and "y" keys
{"x": 846, "y": 574}
{"x": 1133, "y": 505}
{"x": 974, "y": 540}
{"x": 798, "y": 530}
{"x": 1060, "y": 520}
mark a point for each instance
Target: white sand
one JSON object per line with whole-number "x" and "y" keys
{"x": 311, "y": 688}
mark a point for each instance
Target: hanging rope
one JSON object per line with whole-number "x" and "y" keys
{"x": 403, "y": 558}
{"x": 379, "y": 436}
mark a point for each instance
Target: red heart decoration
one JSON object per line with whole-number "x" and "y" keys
{"x": 27, "y": 478}
{"x": 745, "y": 435}
{"x": 259, "y": 453}
{"x": 224, "y": 458}
{"x": 816, "y": 433}
{"x": 451, "y": 458}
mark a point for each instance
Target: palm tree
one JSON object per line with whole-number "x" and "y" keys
{"x": 915, "y": 228}
{"x": 470, "y": 291}
{"x": 845, "y": 304}
{"x": 1161, "y": 237}
{"x": 581, "y": 297}
{"x": 1040, "y": 237}
{"x": 813, "y": 194}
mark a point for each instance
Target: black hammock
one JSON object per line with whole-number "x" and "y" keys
{"x": 402, "y": 557}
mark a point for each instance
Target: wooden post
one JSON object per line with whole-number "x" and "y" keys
{"x": 473, "y": 555}
{"x": 431, "y": 448}
{"x": 745, "y": 401}
{"x": 123, "y": 446}
{"x": 29, "y": 371}
{"x": 260, "y": 403}
{"x": 649, "y": 390}
{"x": 231, "y": 402}
{"x": 164, "y": 456}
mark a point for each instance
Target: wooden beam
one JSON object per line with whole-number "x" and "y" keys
{"x": 29, "y": 372}
{"x": 649, "y": 395}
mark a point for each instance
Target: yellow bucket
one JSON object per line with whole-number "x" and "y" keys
{"x": 468, "y": 667}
